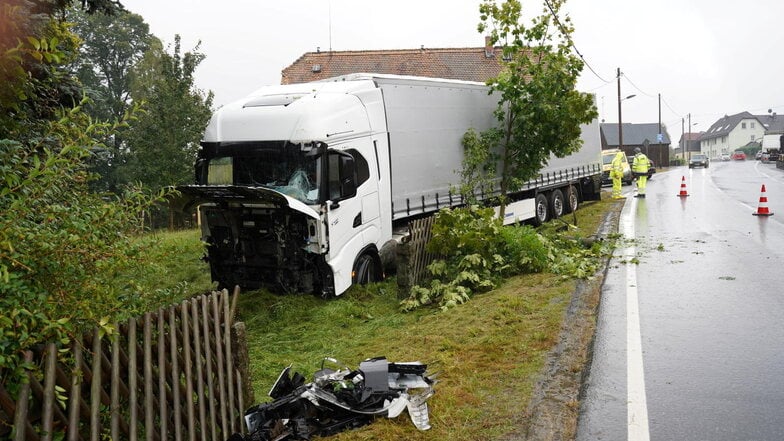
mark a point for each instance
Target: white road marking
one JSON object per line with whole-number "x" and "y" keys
{"x": 637, "y": 407}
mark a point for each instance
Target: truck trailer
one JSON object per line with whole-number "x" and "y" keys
{"x": 309, "y": 187}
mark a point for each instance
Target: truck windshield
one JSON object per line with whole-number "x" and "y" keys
{"x": 286, "y": 168}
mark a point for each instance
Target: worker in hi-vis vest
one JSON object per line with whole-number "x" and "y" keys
{"x": 616, "y": 173}
{"x": 640, "y": 168}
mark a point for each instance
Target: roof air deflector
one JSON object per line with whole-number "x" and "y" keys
{"x": 272, "y": 100}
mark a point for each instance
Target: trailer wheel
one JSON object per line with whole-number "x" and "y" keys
{"x": 572, "y": 200}
{"x": 366, "y": 270}
{"x": 557, "y": 204}
{"x": 541, "y": 210}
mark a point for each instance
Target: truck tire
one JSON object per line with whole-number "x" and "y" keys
{"x": 367, "y": 269}
{"x": 557, "y": 204}
{"x": 572, "y": 200}
{"x": 541, "y": 210}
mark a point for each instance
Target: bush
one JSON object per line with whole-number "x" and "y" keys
{"x": 61, "y": 246}
{"x": 476, "y": 252}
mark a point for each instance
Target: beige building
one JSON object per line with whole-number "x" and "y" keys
{"x": 730, "y": 133}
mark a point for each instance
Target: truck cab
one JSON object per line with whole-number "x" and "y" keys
{"x": 284, "y": 188}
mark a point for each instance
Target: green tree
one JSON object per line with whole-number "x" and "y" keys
{"x": 35, "y": 46}
{"x": 162, "y": 142}
{"x": 111, "y": 47}
{"x": 540, "y": 111}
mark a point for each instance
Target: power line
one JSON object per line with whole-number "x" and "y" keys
{"x": 571, "y": 43}
{"x": 666, "y": 104}
{"x": 635, "y": 86}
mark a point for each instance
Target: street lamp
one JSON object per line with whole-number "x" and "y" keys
{"x": 690, "y": 132}
{"x": 620, "y": 117}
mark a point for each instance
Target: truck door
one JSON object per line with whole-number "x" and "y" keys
{"x": 344, "y": 210}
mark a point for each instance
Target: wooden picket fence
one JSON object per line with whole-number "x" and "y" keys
{"x": 413, "y": 257}
{"x": 179, "y": 373}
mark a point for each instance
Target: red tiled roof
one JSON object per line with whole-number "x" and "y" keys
{"x": 468, "y": 64}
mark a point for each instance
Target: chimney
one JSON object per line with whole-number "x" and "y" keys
{"x": 489, "y": 50}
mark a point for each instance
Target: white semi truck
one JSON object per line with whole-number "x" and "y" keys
{"x": 303, "y": 187}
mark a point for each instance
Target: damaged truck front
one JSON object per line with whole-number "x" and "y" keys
{"x": 283, "y": 194}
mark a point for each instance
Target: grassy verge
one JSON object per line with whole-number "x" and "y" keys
{"x": 489, "y": 352}
{"x": 169, "y": 270}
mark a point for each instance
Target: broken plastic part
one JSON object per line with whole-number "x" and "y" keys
{"x": 340, "y": 399}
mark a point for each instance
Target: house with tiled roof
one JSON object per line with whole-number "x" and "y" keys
{"x": 730, "y": 133}
{"x": 468, "y": 63}
{"x": 645, "y": 136}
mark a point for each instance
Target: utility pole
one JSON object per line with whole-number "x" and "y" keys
{"x": 660, "y": 132}
{"x": 690, "y": 132}
{"x": 620, "y": 129}
{"x": 683, "y": 142}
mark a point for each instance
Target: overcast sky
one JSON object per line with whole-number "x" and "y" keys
{"x": 705, "y": 57}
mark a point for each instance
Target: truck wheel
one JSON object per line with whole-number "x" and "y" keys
{"x": 541, "y": 210}
{"x": 366, "y": 270}
{"x": 572, "y": 201}
{"x": 557, "y": 204}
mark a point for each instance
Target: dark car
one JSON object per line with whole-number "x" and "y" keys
{"x": 651, "y": 169}
{"x": 699, "y": 161}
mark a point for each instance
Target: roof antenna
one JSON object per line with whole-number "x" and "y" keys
{"x": 330, "y": 26}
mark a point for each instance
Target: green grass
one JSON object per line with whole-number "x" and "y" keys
{"x": 489, "y": 352}
{"x": 169, "y": 269}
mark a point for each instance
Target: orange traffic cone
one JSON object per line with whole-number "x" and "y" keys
{"x": 762, "y": 210}
{"x": 683, "y": 192}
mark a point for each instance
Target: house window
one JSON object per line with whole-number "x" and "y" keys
{"x": 742, "y": 125}
{"x": 752, "y": 138}
{"x": 752, "y": 125}
{"x": 723, "y": 139}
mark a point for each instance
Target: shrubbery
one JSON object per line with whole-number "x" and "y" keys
{"x": 61, "y": 246}
{"x": 476, "y": 252}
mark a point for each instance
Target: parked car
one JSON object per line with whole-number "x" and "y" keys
{"x": 758, "y": 156}
{"x": 651, "y": 169}
{"x": 699, "y": 161}
{"x": 738, "y": 155}
{"x": 725, "y": 157}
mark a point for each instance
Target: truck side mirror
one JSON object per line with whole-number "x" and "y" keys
{"x": 199, "y": 169}
{"x": 342, "y": 176}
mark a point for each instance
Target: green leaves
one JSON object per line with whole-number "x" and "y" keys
{"x": 540, "y": 111}
{"x": 61, "y": 246}
{"x": 477, "y": 252}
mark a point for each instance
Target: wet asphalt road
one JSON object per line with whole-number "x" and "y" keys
{"x": 690, "y": 340}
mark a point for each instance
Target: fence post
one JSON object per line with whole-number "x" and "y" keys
{"x": 20, "y": 415}
{"x": 163, "y": 407}
{"x": 75, "y": 397}
{"x": 241, "y": 361}
{"x": 115, "y": 384}
{"x": 404, "y": 269}
{"x": 49, "y": 380}
{"x": 197, "y": 341}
